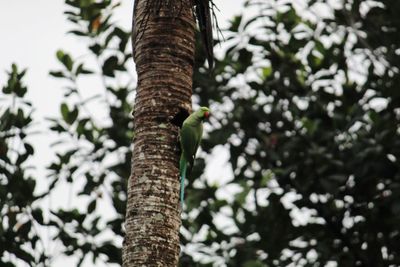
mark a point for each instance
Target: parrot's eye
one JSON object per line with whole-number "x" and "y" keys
{"x": 206, "y": 114}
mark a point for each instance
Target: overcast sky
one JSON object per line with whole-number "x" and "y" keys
{"x": 31, "y": 32}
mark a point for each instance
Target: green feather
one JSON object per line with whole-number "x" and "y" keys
{"x": 190, "y": 137}
{"x": 182, "y": 168}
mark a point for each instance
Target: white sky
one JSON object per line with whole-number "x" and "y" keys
{"x": 31, "y": 32}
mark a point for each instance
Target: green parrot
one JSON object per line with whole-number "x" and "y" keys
{"x": 190, "y": 136}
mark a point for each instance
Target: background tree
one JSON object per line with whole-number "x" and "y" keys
{"x": 18, "y": 235}
{"x": 304, "y": 98}
{"x": 92, "y": 154}
{"x": 306, "y": 101}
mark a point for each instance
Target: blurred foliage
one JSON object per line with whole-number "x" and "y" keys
{"x": 95, "y": 152}
{"x": 92, "y": 153}
{"x": 19, "y": 236}
{"x": 304, "y": 99}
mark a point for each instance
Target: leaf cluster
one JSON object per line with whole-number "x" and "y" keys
{"x": 95, "y": 152}
{"x": 91, "y": 151}
{"x": 307, "y": 107}
{"x": 19, "y": 236}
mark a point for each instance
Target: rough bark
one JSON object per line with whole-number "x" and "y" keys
{"x": 164, "y": 57}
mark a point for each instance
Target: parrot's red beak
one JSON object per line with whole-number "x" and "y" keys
{"x": 206, "y": 114}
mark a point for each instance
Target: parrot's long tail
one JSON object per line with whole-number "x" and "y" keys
{"x": 182, "y": 170}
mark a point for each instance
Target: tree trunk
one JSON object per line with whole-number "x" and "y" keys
{"x": 164, "y": 55}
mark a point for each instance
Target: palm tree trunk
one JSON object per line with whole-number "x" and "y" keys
{"x": 164, "y": 55}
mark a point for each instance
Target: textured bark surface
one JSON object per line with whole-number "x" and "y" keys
{"x": 164, "y": 57}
